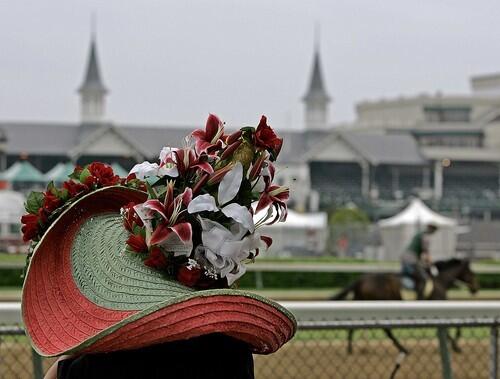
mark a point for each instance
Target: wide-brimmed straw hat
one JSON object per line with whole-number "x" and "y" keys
{"x": 84, "y": 293}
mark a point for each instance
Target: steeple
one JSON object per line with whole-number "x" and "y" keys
{"x": 316, "y": 99}
{"x": 92, "y": 91}
{"x": 316, "y": 89}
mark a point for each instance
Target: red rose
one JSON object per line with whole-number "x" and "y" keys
{"x": 266, "y": 138}
{"x": 90, "y": 181}
{"x": 74, "y": 188}
{"x": 51, "y": 202}
{"x": 137, "y": 243}
{"x": 156, "y": 259}
{"x": 43, "y": 216}
{"x": 30, "y": 227}
{"x": 102, "y": 174}
{"x": 189, "y": 276}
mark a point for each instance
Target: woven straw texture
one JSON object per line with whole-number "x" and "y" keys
{"x": 83, "y": 293}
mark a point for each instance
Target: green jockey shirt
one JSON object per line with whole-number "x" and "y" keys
{"x": 416, "y": 245}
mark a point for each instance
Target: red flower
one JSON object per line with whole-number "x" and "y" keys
{"x": 30, "y": 227}
{"x": 171, "y": 215}
{"x": 266, "y": 138}
{"x": 74, "y": 188}
{"x": 267, "y": 240}
{"x": 101, "y": 173}
{"x": 230, "y": 149}
{"x": 209, "y": 140}
{"x": 137, "y": 243}
{"x": 51, "y": 202}
{"x": 156, "y": 259}
{"x": 186, "y": 160}
{"x": 218, "y": 175}
{"x": 200, "y": 183}
{"x": 130, "y": 217}
{"x": 257, "y": 166}
{"x": 42, "y": 216}
{"x": 230, "y": 139}
{"x": 276, "y": 196}
{"x": 189, "y": 276}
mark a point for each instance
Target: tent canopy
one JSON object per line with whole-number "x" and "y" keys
{"x": 299, "y": 220}
{"x": 119, "y": 170}
{"x": 59, "y": 173}
{"x": 417, "y": 213}
{"x": 22, "y": 171}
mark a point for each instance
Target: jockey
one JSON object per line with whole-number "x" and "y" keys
{"x": 417, "y": 260}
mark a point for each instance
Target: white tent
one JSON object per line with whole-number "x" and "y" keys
{"x": 300, "y": 234}
{"x": 11, "y": 210}
{"x": 11, "y": 207}
{"x": 397, "y": 231}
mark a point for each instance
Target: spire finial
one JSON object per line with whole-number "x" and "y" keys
{"x": 317, "y": 36}
{"x": 93, "y": 25}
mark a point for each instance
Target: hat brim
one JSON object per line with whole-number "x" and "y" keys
{"x": 83, "y": 293}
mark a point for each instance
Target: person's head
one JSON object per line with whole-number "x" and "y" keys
{"x": 431, "y": 228}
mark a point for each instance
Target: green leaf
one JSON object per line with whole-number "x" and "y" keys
{"x": 160, "y": 190}
{"x": 138, "y": 230}
{"x": 52, "y": 189}
{"x": 34, "y": 202}
{"x": 75, "y": 175}
{"x": 63, "y": 194}
{"x": 153, "y": 180}
{"x": 248, "y": 129}
{"x": 84, "y": 175}
{"x": 151, "y": 191}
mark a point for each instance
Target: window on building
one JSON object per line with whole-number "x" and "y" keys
{"x": 447, "y": 114}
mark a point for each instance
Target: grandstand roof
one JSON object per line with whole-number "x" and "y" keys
{"x": 60, "y": 139}
{"x": 376, "y": 148}
{"x": 386, "y": 149}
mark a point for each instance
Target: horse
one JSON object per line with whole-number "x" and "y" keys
{"x": 388, "y": 287}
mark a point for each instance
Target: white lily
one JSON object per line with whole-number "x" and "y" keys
{"x": 228, "y": 189}
{"x": 226, "y": 249}
{"x": 147, "y": 169}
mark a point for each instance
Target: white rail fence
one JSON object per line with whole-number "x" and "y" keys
{"x": 323, "y": 315}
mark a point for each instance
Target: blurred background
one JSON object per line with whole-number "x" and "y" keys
{"x": 390, "y": 114}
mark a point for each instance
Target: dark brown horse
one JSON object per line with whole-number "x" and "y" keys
{"x": 389, "y": 287}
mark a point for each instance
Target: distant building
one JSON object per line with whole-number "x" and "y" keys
{"x": 444, "y": 149}
{"x": 457, "y": 138}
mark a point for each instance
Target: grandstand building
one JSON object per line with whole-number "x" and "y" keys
{"x": 444, "y": 149}
{"x": 441, "y": 148}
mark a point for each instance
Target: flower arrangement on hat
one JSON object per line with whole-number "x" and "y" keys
{"x": 43, "y": 207}
{"x": 198, "y": 224}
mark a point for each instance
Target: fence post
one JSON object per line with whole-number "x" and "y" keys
{"x": 37, "y": 365}
{"x": 445, "y": 353}
{"x": 494, "y": 351}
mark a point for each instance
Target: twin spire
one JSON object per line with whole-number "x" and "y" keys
{"x": 317, "y": 90}
{"x": 92, "y": 91}
{"x": 316, "y": 99}
{"x": 92, "y": 80}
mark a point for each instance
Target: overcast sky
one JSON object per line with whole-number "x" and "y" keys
{"x": 172, "y": 62}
